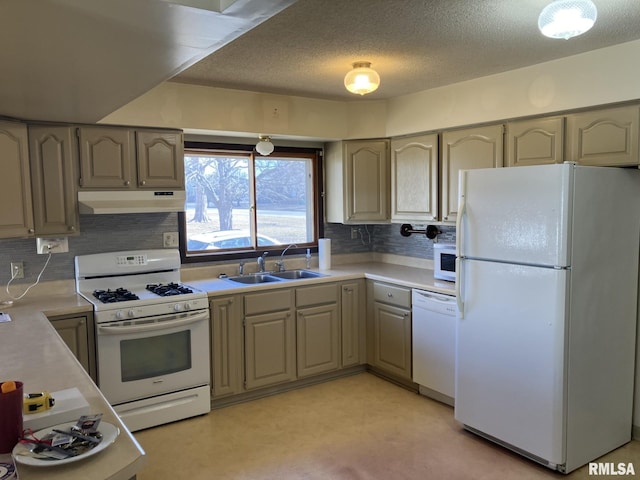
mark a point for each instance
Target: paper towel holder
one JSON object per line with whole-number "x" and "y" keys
{"x": 430, "y": 232}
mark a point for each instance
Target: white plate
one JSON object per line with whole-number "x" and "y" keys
{"x": 21, "y": 450}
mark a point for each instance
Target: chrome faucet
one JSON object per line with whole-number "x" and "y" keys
{"x": 260, "y": 261}
{"x": 241, "y": 268}
{"x": 280, "y": 263}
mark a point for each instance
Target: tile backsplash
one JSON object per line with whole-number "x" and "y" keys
{"x": 110, "y": 233}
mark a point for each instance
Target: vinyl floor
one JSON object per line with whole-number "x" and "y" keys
{"x": 355, "y": 428}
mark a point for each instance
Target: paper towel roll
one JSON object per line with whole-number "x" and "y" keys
{"x": 324, "y": 253}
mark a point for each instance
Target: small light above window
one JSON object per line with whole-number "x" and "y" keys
{"x": 264, "y": 146}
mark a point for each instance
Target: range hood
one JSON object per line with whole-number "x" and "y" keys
{"x": 136, "y": 201}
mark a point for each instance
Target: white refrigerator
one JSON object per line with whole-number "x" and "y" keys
{"x": 547, "y": 290}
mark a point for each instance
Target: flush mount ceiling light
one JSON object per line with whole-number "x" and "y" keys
{"x": 264, "y": 145}
{"x": 567, "y": 18}
{"x": 362, "y": 79}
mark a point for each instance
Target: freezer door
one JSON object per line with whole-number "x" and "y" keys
{"x": 509, "y": 355}
{"x": 516, "y": 215}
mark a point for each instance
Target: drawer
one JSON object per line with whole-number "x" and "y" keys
{"x": 392, "y": 295}
{"x": 271, "y": 301}
{"x": 316, "y": 295}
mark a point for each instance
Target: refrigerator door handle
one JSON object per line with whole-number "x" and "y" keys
{"x": 462, "y": 207}
{"x": 459, "y": 288}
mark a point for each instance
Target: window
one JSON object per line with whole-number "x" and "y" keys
{"x": 240, "y": 202}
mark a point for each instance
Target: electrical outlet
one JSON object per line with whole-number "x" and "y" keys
{"x": 17, "y": 270}
{"x": 170, "y": 239}
{"x": 354, "y": 233}
{"x": 52, "y": 245}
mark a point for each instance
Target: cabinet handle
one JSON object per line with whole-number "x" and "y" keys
{"x": 405, "y": 314}
{"x": 31, "y": 230}
{"x": 71, "y": 228}
{"x": 231, "y": 300}
{"x": 127, "y": 183}
{"x": 143, "y": 182}
{"x": 347, "y": 289}
{"x": 389, "y": 294}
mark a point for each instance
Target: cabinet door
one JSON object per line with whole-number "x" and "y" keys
{"x": 392, "y": 339}
{"x": 160, "y": 159}
{"x": 226, "y": 346}
{"x": 16, "y": 214}
{"x": 75, "y": 333}
{"x": 352, "y": 310}
{"x": 317, "y": 340}
{"x": 106, "y": 158}
{"x": 604, "y": 137}
{"x": 53, "y": 159}
{"x": 366, "y": 181}
{"x": 467, "y": 149}
{"x": 414, "y": 179}
{"x": 535, "y": 142}
{"x": 269, "y": 349}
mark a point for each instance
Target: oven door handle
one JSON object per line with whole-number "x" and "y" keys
{"x": 155, "y": 326}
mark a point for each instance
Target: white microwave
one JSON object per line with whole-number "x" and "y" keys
{"x": 444, "y": 261}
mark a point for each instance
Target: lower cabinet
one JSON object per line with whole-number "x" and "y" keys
{"x": 277, "y": 336}
{"x": 389, "y": 329}
{"x": 352, "y": 331}
{"x": 78, "y": 333}
{"x": 226, "y": 346}
{"x": 269, "y": 338}
{"x": 317, "y": 335}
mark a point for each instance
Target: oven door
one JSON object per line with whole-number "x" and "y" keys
{"x": 151, "y": 356}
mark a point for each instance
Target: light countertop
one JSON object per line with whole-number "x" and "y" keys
{"x": 33, "y": 353}
{"x": 412, "y": 277}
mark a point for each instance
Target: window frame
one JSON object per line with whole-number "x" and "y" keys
{"x": 318, "y": 204}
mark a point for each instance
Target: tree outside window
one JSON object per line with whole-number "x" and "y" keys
{"x": 239, "y": 201}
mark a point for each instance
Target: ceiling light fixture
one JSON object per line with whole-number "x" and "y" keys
{"x": 567, "y": 18}
{"x": 264, "y": 145}
{"x": 362, "y": 79}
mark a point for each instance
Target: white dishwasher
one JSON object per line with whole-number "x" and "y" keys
{"x": 434, "y": 344}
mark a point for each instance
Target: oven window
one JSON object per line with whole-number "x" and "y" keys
{"x": 155, "y": 356}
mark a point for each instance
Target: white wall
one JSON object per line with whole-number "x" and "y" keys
{"x": 224, "y": 111}
{"x": 599, "y": 77}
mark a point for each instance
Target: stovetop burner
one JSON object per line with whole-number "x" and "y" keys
{"x": 117, "y": 295}
{"x": 169, "y": 289}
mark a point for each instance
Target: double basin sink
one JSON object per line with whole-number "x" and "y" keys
{"x": 266, "y": 277}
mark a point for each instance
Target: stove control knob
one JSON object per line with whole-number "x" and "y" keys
{"x": 187, "y": 306}
{"x": 131, "y": 313}
{"x": 119, "y": 314}
{"x": 177, "y": 307}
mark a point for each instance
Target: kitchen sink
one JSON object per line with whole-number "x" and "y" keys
{"x": 296, "y": 274}
{"x": 253, "y": 279}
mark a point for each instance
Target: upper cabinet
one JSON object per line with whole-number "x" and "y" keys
{"x": 16, "y": 216}
{"x": 120, "y": 158}
{"x": 357, "y": 181}
{"x": 414, "y": 178}
{"x": 160, "y": 159}
{"x": 467, "y": 149}
{"x": 53, "y": 158}
{"x": 535, "y": 142}
{"x": 604, "y": 137}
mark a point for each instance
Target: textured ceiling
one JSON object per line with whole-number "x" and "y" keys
{"x": 414, "y": 45}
